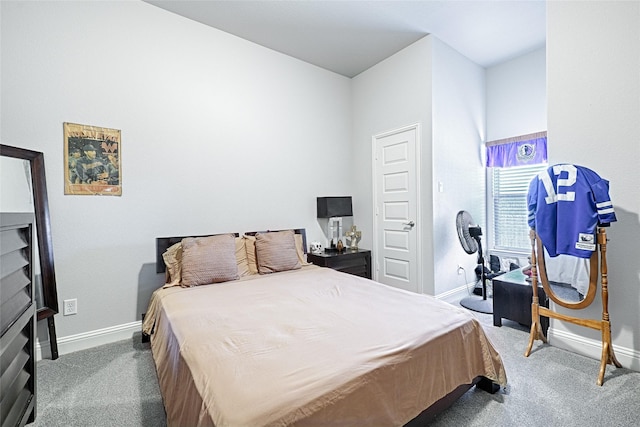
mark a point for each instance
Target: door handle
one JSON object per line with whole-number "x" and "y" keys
{"x": 410, "y": 223}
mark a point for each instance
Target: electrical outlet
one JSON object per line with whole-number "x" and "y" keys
{"x": 70, "y": 307}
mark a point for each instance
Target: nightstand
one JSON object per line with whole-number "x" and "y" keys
{"x": 352, "y": 261}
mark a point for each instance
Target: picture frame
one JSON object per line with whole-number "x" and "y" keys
{"x": 92, "y": 157}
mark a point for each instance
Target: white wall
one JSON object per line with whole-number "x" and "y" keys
{"x": 517, "y": 96}
{"x": 593, "y": 63}
{"x": 431, "y": 84}
{"x": 457, "y": 168}
{"x": 216, "y": 129}
{"x": 218, "y": 135}
{"x": 391, "y": 95}
{"x": 516, "y": 105}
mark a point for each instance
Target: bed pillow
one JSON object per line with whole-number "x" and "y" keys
{"x": 173, "y": 262}
{"x": 276, "y": 251}
{"x": 241, "y": 257}
{"x": 208, "y": 260}
{"x": 173, "y": 265}
{"x": 302, "y": 257}
{"x": 250, "y": 245}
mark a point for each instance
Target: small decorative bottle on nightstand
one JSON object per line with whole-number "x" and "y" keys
{"x": 352, "y": 261}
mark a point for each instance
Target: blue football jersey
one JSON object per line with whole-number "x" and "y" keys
{"x": 566, "y": 204}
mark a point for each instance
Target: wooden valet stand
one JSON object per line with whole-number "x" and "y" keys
{"x": 537, "y": 259}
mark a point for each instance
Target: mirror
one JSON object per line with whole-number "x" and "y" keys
{"x": 598, "y": 272}
{"x": 24, "y": 187}
{"x": 568, "y": 280}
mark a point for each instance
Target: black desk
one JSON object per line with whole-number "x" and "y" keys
{"x": 512, "y": 296}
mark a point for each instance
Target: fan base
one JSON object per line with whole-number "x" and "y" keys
{"x": 478, "y": 304}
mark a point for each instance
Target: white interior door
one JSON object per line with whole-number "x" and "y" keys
{"x": 396, "y": 243}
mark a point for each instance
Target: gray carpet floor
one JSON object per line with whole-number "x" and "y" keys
{"x": 116, "y": 385}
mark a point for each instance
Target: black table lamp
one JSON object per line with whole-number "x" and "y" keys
{"x": 334, "y": 208}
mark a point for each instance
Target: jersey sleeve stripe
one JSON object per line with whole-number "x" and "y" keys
{"x": 604, "y": 204}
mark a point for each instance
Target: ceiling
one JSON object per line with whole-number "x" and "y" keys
{"x": 348, "y": 37}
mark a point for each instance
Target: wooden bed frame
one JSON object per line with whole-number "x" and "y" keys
{"x": 425, "y": 417}
{"x": 428, "y": 415}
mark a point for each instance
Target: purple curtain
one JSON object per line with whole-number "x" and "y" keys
{"x": 530, "y": 150}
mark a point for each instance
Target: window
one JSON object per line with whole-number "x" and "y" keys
{"x": 508, "y": 206}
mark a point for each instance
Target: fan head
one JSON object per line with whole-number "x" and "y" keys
{"x": 467, "y": 232}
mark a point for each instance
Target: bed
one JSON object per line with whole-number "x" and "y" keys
{"x": 306, "y": 345}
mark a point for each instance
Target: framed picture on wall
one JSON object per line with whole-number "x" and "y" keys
{"x": 92, "y": 157}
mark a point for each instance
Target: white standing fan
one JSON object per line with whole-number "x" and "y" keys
{"x": 469, "y": 234}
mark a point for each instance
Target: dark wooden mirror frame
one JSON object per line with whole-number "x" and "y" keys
{"x": 43, "y": 231}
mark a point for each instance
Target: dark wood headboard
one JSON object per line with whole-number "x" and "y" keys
{"x": 164, "y": 243}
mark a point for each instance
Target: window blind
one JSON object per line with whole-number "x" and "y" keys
{"x": 509, "y": 200}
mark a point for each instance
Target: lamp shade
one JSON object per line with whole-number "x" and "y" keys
{"x": 329, "y": 207}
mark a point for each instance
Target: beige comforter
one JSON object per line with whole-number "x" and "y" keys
{"x": 310, "y": 347}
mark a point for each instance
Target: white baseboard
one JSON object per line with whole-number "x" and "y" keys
{"x": 90, "y": 339}
{"x": 628, "y": 357}
{"x": 454, "y": 296}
